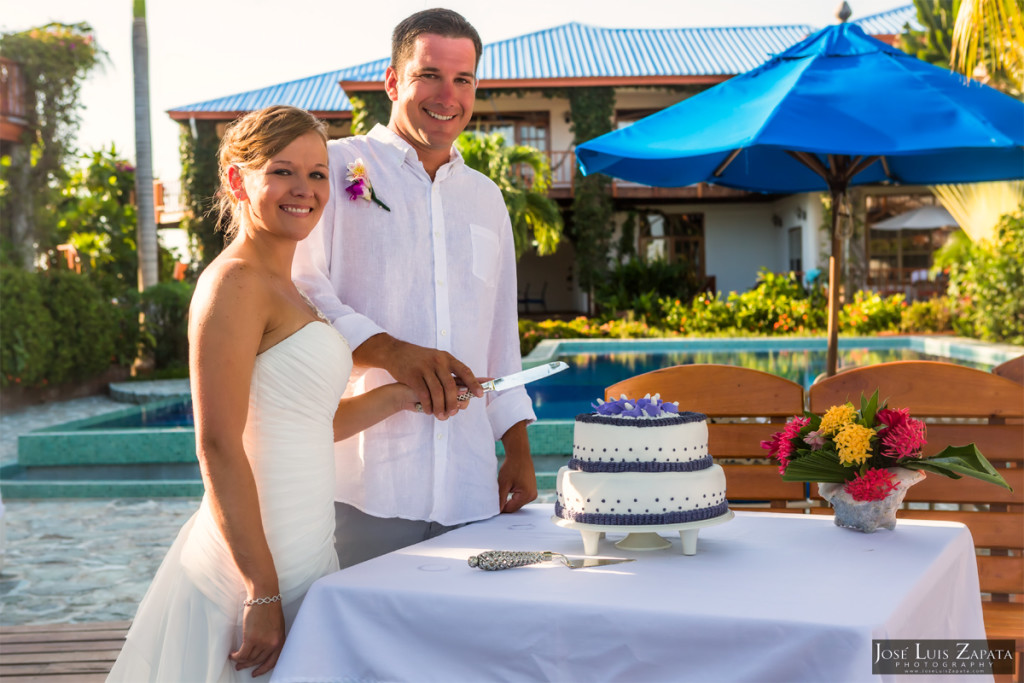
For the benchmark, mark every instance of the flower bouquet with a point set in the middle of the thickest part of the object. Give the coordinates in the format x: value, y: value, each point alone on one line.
x: 868, y: 455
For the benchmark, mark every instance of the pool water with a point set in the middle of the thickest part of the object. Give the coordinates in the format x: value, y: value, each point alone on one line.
x: 162, y: 416
x: 565, y: 395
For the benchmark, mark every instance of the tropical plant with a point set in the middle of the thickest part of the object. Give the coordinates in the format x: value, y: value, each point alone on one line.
x: 935, y: 42
x: 638, y: 286
x: 197, y: 146
x: 535, y: 218
x: 369, y: 109
x: 96, y: 216
x: 55, y: 59
x: 962, y: 34
x: 591, y: 110
x: 990, y: 34
x: 988, y: 285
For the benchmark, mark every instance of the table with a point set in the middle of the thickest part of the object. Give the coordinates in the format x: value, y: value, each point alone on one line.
x: 767, y: 597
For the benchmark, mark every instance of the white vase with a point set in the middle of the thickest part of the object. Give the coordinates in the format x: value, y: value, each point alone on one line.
x: 869, y: 515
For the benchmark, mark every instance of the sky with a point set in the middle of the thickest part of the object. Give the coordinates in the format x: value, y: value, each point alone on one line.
x: 203, y: 49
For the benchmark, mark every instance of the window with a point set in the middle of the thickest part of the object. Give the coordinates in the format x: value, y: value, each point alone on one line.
x: 796, y: 257
x: 674, y: 238
x: 529, y: 128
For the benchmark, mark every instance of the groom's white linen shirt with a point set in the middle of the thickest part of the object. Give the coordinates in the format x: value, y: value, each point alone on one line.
x: 438, y: 270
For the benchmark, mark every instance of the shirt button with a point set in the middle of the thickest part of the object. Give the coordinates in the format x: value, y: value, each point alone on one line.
x: 440, y: 436
x: 440, y: 283
x: 444, y: 333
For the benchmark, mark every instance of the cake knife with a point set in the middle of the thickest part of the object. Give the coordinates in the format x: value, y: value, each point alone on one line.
x: 516, y: 379
x: 493, y: 560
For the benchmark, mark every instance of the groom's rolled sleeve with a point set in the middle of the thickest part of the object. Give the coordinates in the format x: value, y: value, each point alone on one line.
x: 507, y: 409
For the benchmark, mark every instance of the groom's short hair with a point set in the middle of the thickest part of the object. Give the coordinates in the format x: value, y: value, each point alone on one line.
x: 438, y: 21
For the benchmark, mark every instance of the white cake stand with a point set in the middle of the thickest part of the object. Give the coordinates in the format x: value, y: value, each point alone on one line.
x: 642, y: 537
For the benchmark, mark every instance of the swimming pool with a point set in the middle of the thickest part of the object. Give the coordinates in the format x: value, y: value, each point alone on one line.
x: 598, y: 363
x: 149, y: 450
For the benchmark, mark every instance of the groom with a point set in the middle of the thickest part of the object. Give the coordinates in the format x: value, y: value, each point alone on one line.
x: 413, y: 263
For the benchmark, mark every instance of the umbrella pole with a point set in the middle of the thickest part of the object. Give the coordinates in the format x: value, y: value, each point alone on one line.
x: 832, y: 355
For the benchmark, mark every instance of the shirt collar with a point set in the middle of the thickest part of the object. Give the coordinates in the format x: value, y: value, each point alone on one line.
x: 402, y: 150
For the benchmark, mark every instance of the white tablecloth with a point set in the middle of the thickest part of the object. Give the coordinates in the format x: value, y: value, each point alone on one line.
x: 767, y: 597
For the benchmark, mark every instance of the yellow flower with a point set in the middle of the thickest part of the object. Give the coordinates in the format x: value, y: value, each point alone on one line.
x: 356, y: 171
x: 854, y: 442
x: 837, y: 417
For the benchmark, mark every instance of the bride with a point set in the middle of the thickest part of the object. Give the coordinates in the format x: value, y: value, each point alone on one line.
x: 267, y: 376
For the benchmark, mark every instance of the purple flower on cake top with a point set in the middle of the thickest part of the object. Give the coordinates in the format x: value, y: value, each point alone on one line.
x: 648, y: 406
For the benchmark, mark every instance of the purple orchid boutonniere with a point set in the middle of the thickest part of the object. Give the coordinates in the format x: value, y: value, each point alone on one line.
x: 361, y: 187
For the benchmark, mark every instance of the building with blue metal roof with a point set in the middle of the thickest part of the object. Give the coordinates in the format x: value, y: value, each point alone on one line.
x: 726, y: 235
x: 573, y: 54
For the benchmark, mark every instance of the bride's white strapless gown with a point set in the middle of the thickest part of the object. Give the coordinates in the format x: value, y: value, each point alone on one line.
x: 190, y: 619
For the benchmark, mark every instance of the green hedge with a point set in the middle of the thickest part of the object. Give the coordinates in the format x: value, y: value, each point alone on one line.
x: 165, y: 330
x: 27, y: 330
x: 57, y: 327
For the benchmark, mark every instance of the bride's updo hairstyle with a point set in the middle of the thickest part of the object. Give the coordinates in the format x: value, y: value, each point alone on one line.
x: 249, y: 143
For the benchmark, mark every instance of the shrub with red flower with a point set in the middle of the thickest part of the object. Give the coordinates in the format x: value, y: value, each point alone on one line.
x: 861, y: 448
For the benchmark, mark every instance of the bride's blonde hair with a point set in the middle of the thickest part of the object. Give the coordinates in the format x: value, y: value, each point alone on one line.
x: 249, y: 143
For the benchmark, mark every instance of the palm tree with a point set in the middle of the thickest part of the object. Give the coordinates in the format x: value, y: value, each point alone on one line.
x: 147, y: 243
x: 990, y: 34
x: 523, y: 175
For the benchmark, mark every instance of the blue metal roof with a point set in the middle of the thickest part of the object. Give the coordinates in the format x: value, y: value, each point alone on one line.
x: 570, y: 51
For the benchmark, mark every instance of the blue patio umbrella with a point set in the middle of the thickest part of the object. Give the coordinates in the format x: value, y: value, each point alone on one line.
x: 837, y: 109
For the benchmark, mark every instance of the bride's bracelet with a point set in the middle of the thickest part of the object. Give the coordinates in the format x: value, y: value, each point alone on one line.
x: 262, y: 601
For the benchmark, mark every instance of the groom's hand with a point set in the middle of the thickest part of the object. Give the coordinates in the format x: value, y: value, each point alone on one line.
x: 436, y: 376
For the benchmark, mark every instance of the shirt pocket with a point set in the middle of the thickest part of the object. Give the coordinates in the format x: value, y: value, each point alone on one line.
x: 485, y: 253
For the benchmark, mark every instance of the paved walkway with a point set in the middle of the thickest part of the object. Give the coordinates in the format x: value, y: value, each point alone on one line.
x: 69, y: 561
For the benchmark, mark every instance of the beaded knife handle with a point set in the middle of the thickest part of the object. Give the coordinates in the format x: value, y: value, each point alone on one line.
x: 493, y: 560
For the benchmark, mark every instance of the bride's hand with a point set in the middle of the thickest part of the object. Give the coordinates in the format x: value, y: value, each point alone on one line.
x: 262, y: 638
x: 409, y: 401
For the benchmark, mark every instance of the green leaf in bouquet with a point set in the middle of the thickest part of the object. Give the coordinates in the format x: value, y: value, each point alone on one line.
x: 869, y: 409
x: 955, y: 461
x: 816, y: 466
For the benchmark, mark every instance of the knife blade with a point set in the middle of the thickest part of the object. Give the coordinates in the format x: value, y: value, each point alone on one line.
x: 515, y: 379
x: 494, y: 560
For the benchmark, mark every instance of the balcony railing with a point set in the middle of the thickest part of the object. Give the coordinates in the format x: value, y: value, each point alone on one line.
x: 563, y: 176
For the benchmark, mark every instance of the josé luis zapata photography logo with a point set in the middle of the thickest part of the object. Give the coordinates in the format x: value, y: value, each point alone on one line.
x: 933, y: 657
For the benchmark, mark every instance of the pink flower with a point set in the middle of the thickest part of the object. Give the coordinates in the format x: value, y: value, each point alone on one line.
x: 358, y: 190
x: 780, y: 446
x: 903, y: 436
x: 815, y: 440
x: 875, y: 484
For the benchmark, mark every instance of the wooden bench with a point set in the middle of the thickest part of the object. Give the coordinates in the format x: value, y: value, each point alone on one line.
x: 744, y: 407
x: 960, y: 405
x: 60, y: 653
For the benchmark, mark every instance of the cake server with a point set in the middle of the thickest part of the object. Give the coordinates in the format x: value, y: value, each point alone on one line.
x: 493, y: 560
x: 516, y: 379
